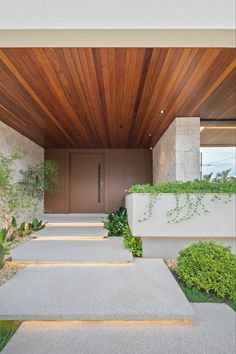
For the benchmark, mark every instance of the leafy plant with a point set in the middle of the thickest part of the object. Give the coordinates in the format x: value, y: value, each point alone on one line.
x: 39, y: 179
x: 36, y: 225
x: 4, y: 244
x: 25, y: 229
x: 12, y: 200
x: 115, y: 222
x: 222, y: 176
x: 117, y: 225
x: 208, y: 266
x: 189, y: 196
x: 133, y: 244
x: 23, y: 190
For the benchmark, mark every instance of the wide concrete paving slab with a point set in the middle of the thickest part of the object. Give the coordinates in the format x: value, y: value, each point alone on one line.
x: 73, y: 219
x: 212, y: 333
x: 55, y: 251
x: 68, y: 232
x: 143, y: 290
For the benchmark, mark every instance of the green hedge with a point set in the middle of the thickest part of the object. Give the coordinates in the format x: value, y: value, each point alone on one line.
x: 208, y: 266
x: 227, y: 187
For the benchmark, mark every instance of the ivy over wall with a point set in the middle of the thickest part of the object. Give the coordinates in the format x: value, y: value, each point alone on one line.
x: 189, y: 196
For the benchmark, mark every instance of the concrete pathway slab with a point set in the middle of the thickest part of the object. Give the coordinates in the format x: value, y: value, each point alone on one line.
x: 143, y: 290
x: 79, y: 231
x: 73, y: 219
x: 212, y: 333
x: 55, y: 251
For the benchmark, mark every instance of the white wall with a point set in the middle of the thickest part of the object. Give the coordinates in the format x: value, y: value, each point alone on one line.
x: 176, y: 156
x: 107, y: 14
x: 11, y: 140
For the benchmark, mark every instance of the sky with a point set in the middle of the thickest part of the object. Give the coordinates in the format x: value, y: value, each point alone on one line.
x: 217, y: 159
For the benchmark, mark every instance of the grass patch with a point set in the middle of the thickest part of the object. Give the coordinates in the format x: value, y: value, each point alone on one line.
x: 7, y: 329
x: 195, y: 295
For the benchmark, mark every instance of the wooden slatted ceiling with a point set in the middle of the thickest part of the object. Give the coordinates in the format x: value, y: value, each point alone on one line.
x: 112, y: 97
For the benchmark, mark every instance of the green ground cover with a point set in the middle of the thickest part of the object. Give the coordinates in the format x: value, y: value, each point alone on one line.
x: 7, y: 329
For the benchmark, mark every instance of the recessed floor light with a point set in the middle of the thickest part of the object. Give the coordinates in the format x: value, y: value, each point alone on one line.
x: 162, y: 111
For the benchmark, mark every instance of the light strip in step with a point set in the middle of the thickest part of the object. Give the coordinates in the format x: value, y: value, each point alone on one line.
x: 71, y: 224
x: 105, y: 323
x: 70, y: 238
x: 77, y: 264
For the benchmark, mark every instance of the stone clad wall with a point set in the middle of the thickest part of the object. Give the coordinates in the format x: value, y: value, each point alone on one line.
x: 11, y: 140
x: 164, y: 156
x: 176, y: 156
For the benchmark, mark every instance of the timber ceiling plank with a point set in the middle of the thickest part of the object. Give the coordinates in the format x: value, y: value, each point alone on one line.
x: 27, y: 88
x: 112, y: 97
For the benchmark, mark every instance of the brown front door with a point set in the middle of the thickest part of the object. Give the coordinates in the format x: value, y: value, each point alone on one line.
x: 87, y: 183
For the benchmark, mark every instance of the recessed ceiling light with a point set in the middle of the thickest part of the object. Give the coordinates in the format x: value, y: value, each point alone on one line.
x: 162, y: 111
x: 150, y: 148
x: 150, y: 134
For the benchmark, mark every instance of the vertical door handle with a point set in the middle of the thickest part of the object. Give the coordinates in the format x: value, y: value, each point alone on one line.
x: 99, y: 183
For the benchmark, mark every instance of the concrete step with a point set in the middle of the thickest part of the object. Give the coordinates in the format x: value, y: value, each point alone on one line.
x: 71, y: 220
x: 63, y: 232
x: 72, y: 251
x: 212, y: 333
x: 142, y: 290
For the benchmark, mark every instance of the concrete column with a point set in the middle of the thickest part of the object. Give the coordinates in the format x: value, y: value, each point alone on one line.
x: 176, y: 156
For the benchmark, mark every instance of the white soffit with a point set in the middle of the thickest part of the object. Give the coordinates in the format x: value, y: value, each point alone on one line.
x: 117, y: 14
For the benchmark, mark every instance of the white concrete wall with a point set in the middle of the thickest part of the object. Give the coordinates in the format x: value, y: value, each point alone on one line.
x: 218, y: 222
x: 11, y: 140
x: 176, y: 156
x: 163, y: 239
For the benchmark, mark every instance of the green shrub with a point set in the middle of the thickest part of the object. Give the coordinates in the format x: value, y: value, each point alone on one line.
x: 133, y: 244
x: 203, y: 186
x: 4, y: 244
x: 208, y: 266
x: 115, y: 222
x: 25, y: 192
x: 117, y: 225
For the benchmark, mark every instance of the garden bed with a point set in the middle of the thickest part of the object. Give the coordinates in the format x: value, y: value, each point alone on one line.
x: 196, y: 295
x: 9, y: 270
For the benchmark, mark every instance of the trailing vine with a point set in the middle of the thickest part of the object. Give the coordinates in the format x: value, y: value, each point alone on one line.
x: 189, y: 197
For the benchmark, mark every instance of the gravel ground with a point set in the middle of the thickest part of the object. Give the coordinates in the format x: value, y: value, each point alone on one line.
x: 171, y: 264
x: 9, y: 270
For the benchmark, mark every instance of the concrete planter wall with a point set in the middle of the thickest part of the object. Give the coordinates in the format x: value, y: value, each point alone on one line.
x: 163, y: 239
